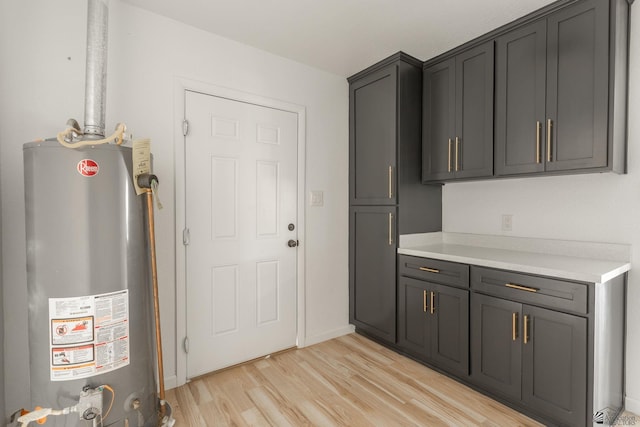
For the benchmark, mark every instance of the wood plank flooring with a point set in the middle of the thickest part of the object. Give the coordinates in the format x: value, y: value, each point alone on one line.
x: 347, y: 381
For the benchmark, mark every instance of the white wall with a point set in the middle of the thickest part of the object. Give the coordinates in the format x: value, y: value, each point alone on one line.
x: 42, y: 84
x: 595, y: 207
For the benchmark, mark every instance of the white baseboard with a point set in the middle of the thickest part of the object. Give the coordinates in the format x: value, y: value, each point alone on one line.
x: 632, y: 405
x: 329, y: 335
x: 170, y: 382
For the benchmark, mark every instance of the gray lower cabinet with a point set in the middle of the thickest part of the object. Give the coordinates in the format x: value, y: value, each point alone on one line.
x: 496, y: 361
x: 533, y: 355
x: 372, y: 260
x: 434, y: 323
x: 433, y: 312
x: 552, y: 348
x: 554, y: 359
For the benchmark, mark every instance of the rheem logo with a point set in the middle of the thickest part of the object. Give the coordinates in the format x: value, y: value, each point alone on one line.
x: 87, y: 167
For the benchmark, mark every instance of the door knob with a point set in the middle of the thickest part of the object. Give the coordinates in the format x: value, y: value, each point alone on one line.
x: 292, y: 243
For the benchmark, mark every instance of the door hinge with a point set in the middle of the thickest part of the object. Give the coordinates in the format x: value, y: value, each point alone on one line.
x: 186, y: 237
x: 185, y: 345
x: 185, y: 127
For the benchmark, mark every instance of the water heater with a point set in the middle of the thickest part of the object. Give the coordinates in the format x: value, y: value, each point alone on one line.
x: 91, y: 330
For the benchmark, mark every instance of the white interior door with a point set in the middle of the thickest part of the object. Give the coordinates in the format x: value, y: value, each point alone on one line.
x: 241, y: 202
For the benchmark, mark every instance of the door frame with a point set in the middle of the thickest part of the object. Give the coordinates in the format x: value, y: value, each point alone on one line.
x: 181, y: 85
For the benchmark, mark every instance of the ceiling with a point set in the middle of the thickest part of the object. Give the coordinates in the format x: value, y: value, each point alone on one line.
x: 345, y: 36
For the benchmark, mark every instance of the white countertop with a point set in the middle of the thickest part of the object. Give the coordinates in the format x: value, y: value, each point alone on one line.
x: 580, y: 261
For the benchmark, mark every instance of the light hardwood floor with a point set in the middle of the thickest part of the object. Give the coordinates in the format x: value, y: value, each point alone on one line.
x: 347, y: 381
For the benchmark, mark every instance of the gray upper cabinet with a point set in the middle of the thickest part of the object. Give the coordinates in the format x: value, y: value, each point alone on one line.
x: 561, y: 91
x: 521, y: 74
x: 458, y: 116
x: 577, y: 87
x: 439, y: 120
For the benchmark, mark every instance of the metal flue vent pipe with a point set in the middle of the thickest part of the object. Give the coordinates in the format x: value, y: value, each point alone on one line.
x: 96, y: 71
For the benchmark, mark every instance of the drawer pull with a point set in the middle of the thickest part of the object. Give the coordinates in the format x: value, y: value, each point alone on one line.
x: 526, y: 329
x: 514, y: 326
x: 430, y: 270
x: 520, y: 287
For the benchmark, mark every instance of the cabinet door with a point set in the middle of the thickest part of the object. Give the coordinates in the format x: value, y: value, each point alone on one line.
x: 449, y: 311
x: 438, y: 121
x: 577, y: 86
x: 496, y: 361
x: 473, y: 142
x: 372, y: 287
x: 413, y: 325
x: 520, y: 100
x: 555, y: 364
x: 372, y: 137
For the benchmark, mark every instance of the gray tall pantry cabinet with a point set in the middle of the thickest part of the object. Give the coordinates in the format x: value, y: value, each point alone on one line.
x: 386, y: 196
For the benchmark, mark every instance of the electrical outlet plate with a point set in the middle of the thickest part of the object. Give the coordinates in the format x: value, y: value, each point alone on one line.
x: 507, y: 222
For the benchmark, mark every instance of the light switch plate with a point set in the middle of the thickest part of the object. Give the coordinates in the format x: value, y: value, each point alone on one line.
x: 317, y: 198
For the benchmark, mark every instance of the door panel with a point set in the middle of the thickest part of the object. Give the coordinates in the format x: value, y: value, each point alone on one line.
x: 474, y: 112
x: 373, y: 132
x: 450, y: 326
x: 241, y: 175
x: 555, y: 364
x: 373, y: 272
x: 413, y: 326
x: 439, y: 121
x: 496, y: 356
x: 577, y: 85
x: 520, y: 103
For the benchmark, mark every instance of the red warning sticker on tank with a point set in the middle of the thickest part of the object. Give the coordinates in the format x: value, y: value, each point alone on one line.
x: 88, y: 167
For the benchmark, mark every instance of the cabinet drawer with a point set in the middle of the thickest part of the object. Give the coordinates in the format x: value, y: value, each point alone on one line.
x: 433, y: 270
x: 553, y: 293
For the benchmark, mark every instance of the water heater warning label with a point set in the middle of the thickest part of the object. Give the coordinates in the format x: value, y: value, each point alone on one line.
x: 89, y: 335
